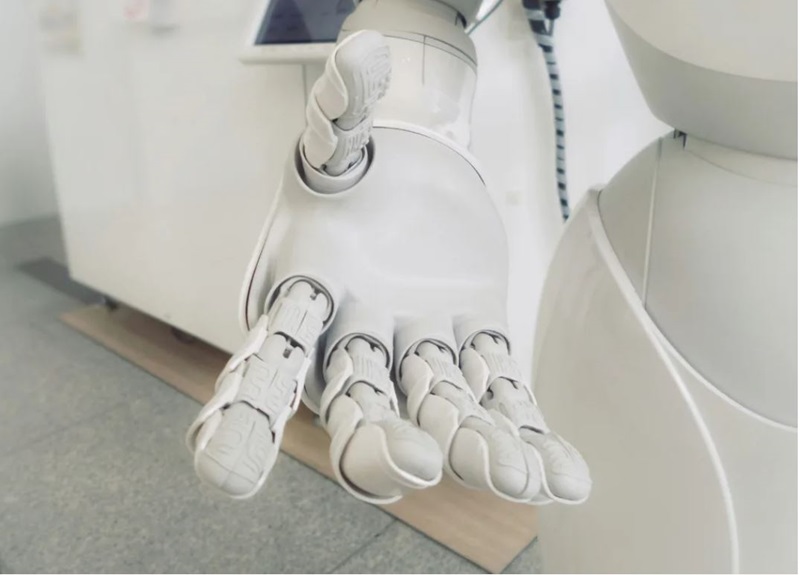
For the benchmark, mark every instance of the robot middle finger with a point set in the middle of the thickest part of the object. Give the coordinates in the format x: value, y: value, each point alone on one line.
x: 376, y: 455
x: 480, y: 449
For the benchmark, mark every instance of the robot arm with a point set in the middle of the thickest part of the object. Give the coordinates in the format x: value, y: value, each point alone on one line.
x: 385, y: 250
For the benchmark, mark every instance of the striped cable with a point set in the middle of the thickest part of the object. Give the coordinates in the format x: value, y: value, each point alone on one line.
x: 538, y: 23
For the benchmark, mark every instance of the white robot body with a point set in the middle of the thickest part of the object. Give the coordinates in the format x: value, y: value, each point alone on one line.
x: 724, y: 71
x: 667, y: 336
x: 686, y: 478
x: 708, y: 243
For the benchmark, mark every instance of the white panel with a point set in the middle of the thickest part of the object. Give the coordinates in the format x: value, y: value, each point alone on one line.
x: 722, y: 284
x: 404, y: 105
x: 737, y: 37
x: 445, y: 75
x: 741, y: 110
x: 760, y: 462
x: 658, y: 502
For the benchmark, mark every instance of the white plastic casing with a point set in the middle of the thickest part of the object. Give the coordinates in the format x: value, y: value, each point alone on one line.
x: 666, y: 350
x: 706, y: 236
x: 721, y: 70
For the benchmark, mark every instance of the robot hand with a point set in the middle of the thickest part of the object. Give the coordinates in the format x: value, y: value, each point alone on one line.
x: 385, y: 251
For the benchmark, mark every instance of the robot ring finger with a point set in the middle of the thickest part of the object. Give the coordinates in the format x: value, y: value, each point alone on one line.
x: 377, y: 292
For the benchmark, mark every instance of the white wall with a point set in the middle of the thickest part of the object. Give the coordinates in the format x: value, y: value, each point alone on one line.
x: 26, y: 179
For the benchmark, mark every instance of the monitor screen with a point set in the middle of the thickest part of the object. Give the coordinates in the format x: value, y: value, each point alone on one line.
x: 303, y: 21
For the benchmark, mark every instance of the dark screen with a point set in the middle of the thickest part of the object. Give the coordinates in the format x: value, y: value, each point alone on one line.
x: 303, y: 21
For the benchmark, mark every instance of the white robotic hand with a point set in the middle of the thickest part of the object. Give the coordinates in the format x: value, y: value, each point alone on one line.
x: 384, y: 249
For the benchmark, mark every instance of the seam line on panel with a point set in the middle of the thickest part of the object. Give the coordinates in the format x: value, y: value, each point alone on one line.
x: 650, y: 219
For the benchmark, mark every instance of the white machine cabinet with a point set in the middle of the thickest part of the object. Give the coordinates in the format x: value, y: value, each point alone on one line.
x: 167, y: 151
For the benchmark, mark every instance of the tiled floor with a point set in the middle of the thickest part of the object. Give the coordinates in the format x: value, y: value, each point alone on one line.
x: 95, y: 477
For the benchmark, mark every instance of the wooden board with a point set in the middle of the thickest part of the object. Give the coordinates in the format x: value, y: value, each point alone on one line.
x: 477, y: 525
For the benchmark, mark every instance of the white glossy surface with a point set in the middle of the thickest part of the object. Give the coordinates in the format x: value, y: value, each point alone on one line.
x: 738, y: 37
x: 722, y: 71
x: 759, y: 458
x: 441, y: 102
x: 712, y: 252
x: 659, y: 502
x: 722, y: 279
x: 685, y: 479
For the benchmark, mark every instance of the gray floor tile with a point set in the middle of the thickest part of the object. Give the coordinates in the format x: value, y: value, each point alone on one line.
x: 118, y: 493
x: 51, y: 377
x: 401, y: 549
x: 529, y: 561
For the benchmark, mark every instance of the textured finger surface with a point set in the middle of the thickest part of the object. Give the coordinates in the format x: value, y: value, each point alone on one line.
x: 387, y: 459
x: 363, y: 63
x: 495, y: 378
x: 339, y: 114
x: 409, y: 448
x: 479, y: 451
x: 240, y: 450
x: 566, y: 472
x: 377, y: 455
x: 481, y: 454
x: 237, y: 435
x: 241, y: 447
